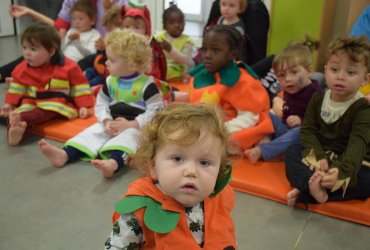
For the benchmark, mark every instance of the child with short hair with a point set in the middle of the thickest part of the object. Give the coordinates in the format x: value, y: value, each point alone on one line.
x: 334, y: 154
x: 45, y: 86
x: 234, y: 87
x: 179, y: 49
x: 185, y: 197
x: 79, y: 41
x: 123, y: 106
x: 293, y: 67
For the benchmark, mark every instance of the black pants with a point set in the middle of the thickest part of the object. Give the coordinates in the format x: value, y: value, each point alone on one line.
x: 299, y: 174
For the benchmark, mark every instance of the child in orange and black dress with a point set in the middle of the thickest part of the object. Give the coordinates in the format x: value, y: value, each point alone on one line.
x: 332, y: 162
x: 220, y: 80
x: 45, y: 86
x: 79, y: 41
x: 184, y: 201
x: 293, y: 66
x: 179, y: 49
x: 124, y: 105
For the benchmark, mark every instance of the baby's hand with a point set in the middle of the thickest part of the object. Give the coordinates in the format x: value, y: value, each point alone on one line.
x: 166, y: 46
x: 74, y: 36
x: 120, y: 124
x: 99, y: 44
x: 293, y: 121
x: 331, y: 177
x: 6, y: 109
x: 83, y: 113
x: 107, y: 126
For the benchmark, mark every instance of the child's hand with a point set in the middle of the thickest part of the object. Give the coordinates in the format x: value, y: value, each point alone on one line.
x: 18, y: 11
x: 99, y: 44
x: 121, y: 124
x: 83, y: 113
x: 331, y: 177
x: 166, y: 46
x: 367, y: 97
x: 6, y: 109
x: 277, y: 105
x: 293, y: 121
x: 74, y: 36
x: 107, y: 126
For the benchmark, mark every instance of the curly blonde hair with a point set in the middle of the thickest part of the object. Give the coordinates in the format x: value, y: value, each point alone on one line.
x: 189, y: 122
x: 132, y: 47
x: 357, y: 49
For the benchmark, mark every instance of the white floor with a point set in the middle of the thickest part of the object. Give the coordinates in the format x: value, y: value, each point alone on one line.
x: 45, y: 208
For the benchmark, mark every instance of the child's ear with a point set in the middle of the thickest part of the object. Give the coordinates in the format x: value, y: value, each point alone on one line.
x: 234, y: 54
x: 153, y: 174
x: 309, y: 70
x: 52, y: 52
x: 367, y: 79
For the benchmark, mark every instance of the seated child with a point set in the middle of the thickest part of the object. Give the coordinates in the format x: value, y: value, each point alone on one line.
x: 184, y: 200
x: 138, y: 20
x: 96, y: 74
x: 332, y: 162
x: 293, y: 66
x: 45, y: 86
x: 79, y: 41
x: 123, y: 106
x: 179, y: 49
x: 234, y: 87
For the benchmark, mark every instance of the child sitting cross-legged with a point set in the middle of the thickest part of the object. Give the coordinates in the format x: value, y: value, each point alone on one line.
x: 332, y: 162
x: 124, y: 105
x: 184, y: 201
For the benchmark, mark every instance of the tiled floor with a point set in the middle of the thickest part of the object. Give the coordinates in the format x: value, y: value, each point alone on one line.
x: 45, y: 208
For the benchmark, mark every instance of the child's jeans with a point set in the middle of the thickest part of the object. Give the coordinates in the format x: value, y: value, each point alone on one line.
x: 283, y: 137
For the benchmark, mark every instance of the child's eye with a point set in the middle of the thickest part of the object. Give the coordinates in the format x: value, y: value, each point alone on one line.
x: 215, y: 50
x: 351, y: 72
x: 204, y: 163
x: 333, y: 69
x: 177, y: 158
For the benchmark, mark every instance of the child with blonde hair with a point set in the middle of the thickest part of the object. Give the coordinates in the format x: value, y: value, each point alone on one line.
x: 45, y: 85
x: 293, y: 67
x: 332, y: 162
x: 124, y: 105
x: 184, y: 200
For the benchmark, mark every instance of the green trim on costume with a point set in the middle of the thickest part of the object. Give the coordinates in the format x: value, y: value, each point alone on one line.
x: 229, y: 75
x: 155, y: 218
x: 105, y: 151
x: 89, y: 154
x: 136, y: 4
x: 222, y: 182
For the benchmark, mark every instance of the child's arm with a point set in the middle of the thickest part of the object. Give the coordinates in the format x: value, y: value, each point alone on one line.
x: 126, y: 234
x: 86, y: 47
x: 18, y: 11
x: 102, y: 111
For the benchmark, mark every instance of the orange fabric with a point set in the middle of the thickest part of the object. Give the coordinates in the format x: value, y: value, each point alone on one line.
x: 247, y: 94
x: 268, y: 180
x: 219, y: 227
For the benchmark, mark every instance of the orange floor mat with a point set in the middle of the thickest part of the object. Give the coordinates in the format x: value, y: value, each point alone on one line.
x: 267, y: 180
x: 61, y: 130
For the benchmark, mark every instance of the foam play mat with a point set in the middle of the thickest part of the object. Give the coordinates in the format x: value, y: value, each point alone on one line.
x: 267, y: 180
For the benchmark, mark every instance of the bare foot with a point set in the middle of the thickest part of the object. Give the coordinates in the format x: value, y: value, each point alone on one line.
x: 292, y: 197
x: 316, y: 190
x: 106, y: 166
x: 16, y: 129
x: 57, y: 156
x: 253, y: 154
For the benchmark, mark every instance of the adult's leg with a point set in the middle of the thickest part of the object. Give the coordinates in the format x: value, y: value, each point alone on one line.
x: 6, y: 70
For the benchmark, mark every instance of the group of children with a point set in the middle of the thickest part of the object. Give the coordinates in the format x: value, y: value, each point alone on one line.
x: 183, y: 149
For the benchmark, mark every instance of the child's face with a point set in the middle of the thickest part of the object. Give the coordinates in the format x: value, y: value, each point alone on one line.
x: 216, y: 52
x: 294, y: 78
x: 136, y: 25
x: 36, y: 55
x: 229, y: 8
x: 188, y: 173
x: 174, y: 24
x: 344, y: 76
x: 116, y: 65
x: 81, y: 21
